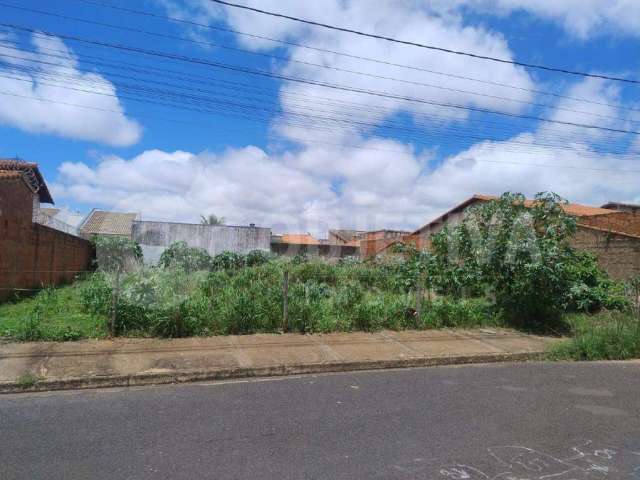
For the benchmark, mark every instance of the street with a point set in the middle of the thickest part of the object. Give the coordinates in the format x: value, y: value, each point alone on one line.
x: 509, y: 421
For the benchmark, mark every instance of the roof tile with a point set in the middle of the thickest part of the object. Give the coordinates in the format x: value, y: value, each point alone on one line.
x: 100, y: 222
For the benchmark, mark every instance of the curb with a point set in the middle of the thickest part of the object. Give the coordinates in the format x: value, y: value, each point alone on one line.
x: 186, y: 376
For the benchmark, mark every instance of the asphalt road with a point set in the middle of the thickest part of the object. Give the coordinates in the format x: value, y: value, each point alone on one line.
x: 525, y: 421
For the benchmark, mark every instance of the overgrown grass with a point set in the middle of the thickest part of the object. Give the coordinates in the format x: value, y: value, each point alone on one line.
x: 352, y: 296
x: 53, y: 314
x: 603, y: 336
x: 247, y: 297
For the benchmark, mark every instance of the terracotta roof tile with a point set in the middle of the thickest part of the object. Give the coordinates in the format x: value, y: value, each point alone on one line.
x: 100, y: 222
x: 300, y: 238
x: 31, y: 175
x: 8, y: 174
x: 574, y: 209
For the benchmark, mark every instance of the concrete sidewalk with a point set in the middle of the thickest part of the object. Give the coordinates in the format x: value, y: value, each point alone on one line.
x: 126, y: 361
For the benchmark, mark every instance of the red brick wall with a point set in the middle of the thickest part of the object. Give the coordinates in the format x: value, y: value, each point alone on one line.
x: 625, y: 222
x: 32, y: 255
x: 618, y: 255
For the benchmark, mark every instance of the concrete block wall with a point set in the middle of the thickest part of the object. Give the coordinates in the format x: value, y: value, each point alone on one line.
x: 32, y: 255
x: 618, y: 255
x: 155, y: 237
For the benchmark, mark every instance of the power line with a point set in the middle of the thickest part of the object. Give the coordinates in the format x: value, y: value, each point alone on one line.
x: 348, y: 55
x: 381, y: 94
x: 317, y: 65
x: 234, y: 86
x: 197, y: 97
x: 341, y: 145
x: 429, y: 47
x: 308, y: 122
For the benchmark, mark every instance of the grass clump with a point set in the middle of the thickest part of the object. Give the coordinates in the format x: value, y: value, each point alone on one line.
x: 27, y: 380
x: 54, y: 314
x: 608, y: 335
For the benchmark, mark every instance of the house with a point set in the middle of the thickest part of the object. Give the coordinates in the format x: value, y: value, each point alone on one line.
x: 345, y: 237
x: 61, y: 219
x: 102, y: 222
x: 373, y: 242
x: 292, y: 244
x: 622, y: 207
x: 612, y: 234
x: 299, y: 238
x: 32, y: 254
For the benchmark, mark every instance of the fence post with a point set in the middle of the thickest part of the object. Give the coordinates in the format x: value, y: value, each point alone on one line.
x: 285, y: 302
x: 419, y: 299
x: 114, y: 304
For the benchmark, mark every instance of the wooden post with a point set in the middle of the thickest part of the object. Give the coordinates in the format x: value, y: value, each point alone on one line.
x: 419, y: 299
x: 285, y: 302
x: 114, y: 304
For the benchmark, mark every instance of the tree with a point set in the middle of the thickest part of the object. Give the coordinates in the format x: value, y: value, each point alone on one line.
x: 211, y: 219
x: 517, y: 252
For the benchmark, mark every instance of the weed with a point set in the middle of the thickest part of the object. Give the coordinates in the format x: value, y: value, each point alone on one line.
x: 32, y: 327
x: 27, y: 380
x: 606, y: 336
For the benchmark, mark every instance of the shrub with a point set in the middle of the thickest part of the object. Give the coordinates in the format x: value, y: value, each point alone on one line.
x: 257, y: 257
x: 190, y: 259
x: 228, y: 261
x: 591, y: 288
x: 116, y: 253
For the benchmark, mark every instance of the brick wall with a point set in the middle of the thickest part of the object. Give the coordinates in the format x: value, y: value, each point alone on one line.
x: 625, y: 222
x: 618, y: 255
x: 32, y: 255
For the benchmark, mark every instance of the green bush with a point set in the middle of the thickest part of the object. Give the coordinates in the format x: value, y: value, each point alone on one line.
x: 591, y: 288
x: 181, y: 256
x: 257, y: 257
x: 228, y: 261
x: 116, y: 253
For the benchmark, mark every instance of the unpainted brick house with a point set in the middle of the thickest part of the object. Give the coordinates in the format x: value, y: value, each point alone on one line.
x: 610, y: 232
x: 31, y: 254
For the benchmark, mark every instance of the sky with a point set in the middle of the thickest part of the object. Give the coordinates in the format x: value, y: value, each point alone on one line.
x: 182, y: 108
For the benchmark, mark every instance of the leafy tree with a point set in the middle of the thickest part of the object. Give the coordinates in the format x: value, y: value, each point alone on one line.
x: 517, y: 252
x: 211, y: 219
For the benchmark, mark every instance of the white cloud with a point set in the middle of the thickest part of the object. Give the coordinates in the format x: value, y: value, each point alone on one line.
x: 318, y: 189
x: 30, y: 79
x: 581, y: 18
x: 384, y: 183
x: 406, y: 20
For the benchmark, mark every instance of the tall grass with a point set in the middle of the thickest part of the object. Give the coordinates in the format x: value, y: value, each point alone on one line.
x: 604, y: 336
x: 249, y: 299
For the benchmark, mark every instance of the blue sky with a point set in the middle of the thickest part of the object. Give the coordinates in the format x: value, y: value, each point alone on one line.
x: 300, y: 157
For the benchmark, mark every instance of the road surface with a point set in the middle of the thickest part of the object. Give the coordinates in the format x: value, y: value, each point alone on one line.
x: 524, y: 421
